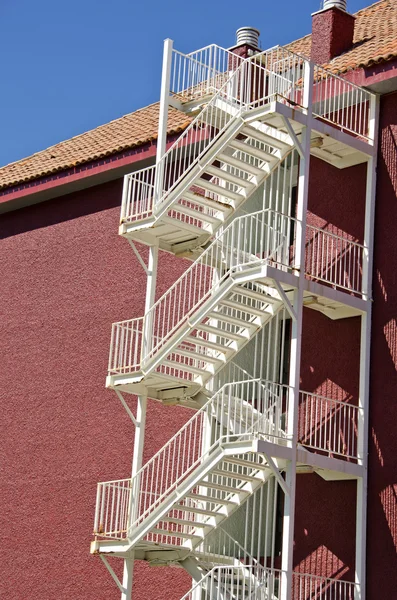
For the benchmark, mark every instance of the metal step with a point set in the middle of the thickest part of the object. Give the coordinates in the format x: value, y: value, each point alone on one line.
x: 232, y: 320
x: 235, y: 475
x: 198, y: 356
x: 219, y: 332
x: 226, y: 176
x: 208, y: 344
x: 221, y: 191
x: 206, y: 499
x: 222, y: 488
x: 245, y: 463
x: 182, y: 367
x: 177, y: 534
x: 243, y: 308
x: 208, y: 202
x: 265, y: 138
x: 256, y: 295
x: 185, y: 522
x: 195, y: 214
x: 256, y: 152
x: 241, y: 164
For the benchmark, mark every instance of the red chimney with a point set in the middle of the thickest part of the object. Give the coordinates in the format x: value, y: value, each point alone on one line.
x: 332, y: 32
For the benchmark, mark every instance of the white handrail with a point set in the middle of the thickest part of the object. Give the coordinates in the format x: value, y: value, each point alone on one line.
x: 246, y: 410
x: 249, y: 240
x: 328, y: 425
x: 334, y: 259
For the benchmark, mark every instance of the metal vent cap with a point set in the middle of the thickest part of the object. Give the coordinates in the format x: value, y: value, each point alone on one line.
x: 342, y: 4
x: 249, y: 36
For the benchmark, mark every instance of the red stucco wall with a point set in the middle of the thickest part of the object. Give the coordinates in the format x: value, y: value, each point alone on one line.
x: 66, y: 275
x: 382, y: 482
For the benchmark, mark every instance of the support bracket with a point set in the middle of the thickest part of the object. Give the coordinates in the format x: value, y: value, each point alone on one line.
x: 127, y: 408
x: 294, y: 137
x: 113, y: 574
x: 277, y: 475
x: 286, y: 301
x: 139, y: 257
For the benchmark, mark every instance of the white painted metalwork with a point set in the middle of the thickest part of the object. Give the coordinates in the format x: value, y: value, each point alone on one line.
x: 329, y: 425
x: 259, y: 583
x: 202, y: 72
x: 228, y: 464
x: 234, y: 415
x: 334, y: 259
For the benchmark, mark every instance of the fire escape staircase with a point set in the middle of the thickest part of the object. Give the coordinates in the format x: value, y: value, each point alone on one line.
x: 181, y: 497
x: 190, y: 204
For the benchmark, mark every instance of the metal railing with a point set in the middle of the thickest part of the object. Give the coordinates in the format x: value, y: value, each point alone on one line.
x: 219, y: 547
x: 328, y: 425
x: 235, y: 582
x: 314, y: 587
x: 255, y: 582
x: 341, y: 102
x: 248, y: 241
x: 334, y: 259
x: 241, y: 86
x: 201, y: 72
x: 239, y: 411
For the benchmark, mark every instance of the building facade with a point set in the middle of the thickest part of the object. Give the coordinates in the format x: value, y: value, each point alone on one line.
x: 253, y: 345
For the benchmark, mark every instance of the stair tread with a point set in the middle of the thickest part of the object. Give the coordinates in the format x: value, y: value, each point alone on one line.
x: 219, y: 332
x: 242, y: 307
x: 177, y: 534
x: 203, y: 498
x: 198, y: 356
x: 209, y: 344
x: 244, y: 463
x: 226, y: 176
x: 184, y: 522
x: 234, y: 475
x: 195, y: 214
x: 232, y: 320
x: 266, y: 138
x: 221, y: 191
x: 233, y: 161
x: 248, y: 149
x: 256, y: 295
x: 205, y: 201
x: 182, y: 367
x: 223, y: 488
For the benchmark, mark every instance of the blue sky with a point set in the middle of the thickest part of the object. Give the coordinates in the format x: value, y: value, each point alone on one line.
x: 67, y: 67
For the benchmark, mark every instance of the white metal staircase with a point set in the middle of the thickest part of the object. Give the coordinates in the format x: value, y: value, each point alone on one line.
x: 203, y: 321
x: 191, y: 486
x: 246, y: 118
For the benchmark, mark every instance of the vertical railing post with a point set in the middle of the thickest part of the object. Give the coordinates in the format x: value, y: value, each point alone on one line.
x: 365, y: 342
x: 296, y: 340
x: 148, y: 324
x: 163, y: 118
x: 133, y: 508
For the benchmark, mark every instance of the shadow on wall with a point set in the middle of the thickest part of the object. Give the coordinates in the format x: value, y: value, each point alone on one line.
x: 382, y: 478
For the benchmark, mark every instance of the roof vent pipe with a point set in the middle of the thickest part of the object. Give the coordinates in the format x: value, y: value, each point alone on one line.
x: 342, y: 4
x: 248, y: 36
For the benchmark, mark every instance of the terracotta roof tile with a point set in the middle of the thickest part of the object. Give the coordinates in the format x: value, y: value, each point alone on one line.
x: 121, y: 134
x: 375, y: 40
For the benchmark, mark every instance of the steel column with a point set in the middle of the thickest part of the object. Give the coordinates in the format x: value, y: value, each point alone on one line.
x: 163, y: 117
x: 296, y: 339
x: 365, y: 343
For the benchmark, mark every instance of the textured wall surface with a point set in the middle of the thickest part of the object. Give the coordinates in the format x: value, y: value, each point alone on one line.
x: 382, y: 481
x: 66, y: 275
x: 332, y: 34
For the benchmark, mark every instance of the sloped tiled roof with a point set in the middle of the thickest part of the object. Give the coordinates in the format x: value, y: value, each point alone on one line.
x: 121, y: 134
x: 375, y: 40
